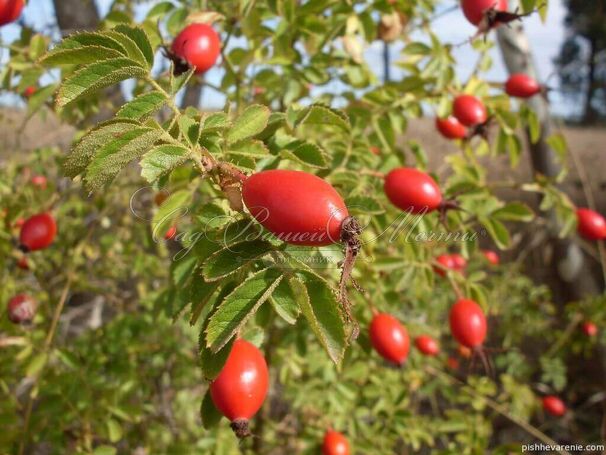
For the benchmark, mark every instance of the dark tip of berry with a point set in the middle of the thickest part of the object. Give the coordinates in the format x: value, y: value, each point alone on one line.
x: 241, y: 428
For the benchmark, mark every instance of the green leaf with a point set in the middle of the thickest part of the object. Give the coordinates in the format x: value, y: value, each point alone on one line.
x: 212, y: 363
x: 89, y: 39
x: 497, y: 231
x: 417, y: 48
x: 252, y: 122
x: 231, y: 258
x: 514, y: 211
x: 363, y: 205
x: 215, y: 122
x: 79, y: 55
x: 104, y: 450
x: 140, y: 38
x: 209, y: 413
x: 142, y: 106
x: 114, y: 156
x: 114, y: 430
x: 284, y: 300
x: 239, y: 306
x: 161, y: 160
x: 91, y: 142
x: 306, y: 153
x: 175, y: 206
x: 178, y: 82
x: 132, y: 49
x: 36, y: 365
x: 249, y: 148
x: 321, y: 309
x: 96, y: 76
x: 318, y: 114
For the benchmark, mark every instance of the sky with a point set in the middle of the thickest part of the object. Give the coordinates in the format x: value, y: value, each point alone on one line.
x: 545, y: 39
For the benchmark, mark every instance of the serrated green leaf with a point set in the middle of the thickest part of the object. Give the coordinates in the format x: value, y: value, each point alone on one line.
x: 321, y: 309
x: 239, y: 306
x: 209, y: 414
x: 231, y: 258
x: 161, y: 160
x: 140, y: 38
x: 132, y: 49
x: 318, y: 114
x: 251, y: 148
x: 215, y: 122
x: 178, y: 82
x: 114, y: 156
x: 252, y: 122
x: 142, y: 106
x: 284, y: 301
x: 79, y: 55
x: 96, y: 76
x: 363, y: 205
x: 306, y: 153
x: 212, y: 363
x: 497, y: 231
x: 88, y: 39
x: 91, y: 142
x: 175, y: 206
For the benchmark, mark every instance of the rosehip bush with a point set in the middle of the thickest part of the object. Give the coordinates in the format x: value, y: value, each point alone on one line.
x: 259, y: 271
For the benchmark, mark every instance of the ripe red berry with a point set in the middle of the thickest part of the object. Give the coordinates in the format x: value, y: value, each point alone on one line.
x: 374, y: 150
x: 19, y: 222
x: 335, y: 444
x: 522, y: 86
x: 491, y: 257
x: 459, y: 263
x: 469, y: 110
x: 427, y: 345
x: 389, y: 338
x: 240, y: 389
x: 297, y: 207
x: 475, y: 10
x: 21, y: 309
x: 29, y: 91
x: 10, y: 10
x: 464, y: 351
x: 199, y: 45
x: 554, y: 406
x: 452, y: 363
x: 412, y: 190
x: 172, y: 231
x: 38, y: 232
x: 468, y: 323
x: 22, y: 263
x: 590, y: 329
x: 451, y: 128
x: 590, y: 224
x: 39, y: 181
x: 446, y: 261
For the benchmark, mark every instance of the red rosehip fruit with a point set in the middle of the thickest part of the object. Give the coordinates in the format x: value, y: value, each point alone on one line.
x: 590, y: 224
x: 172, y: 231
x: 21, y: 309
x: 335, y: 443
x: 447, y: 263
x: 427, y: 345
x: 522, y: 86
x: 199, y: 45
x: 451, y: 128
x: 241, y: 387
x: 590, y: 329
x: 29, y: 91
x: 491, y: 257
x: 22, y: 263
x: 10, y: 10
x: 37, y: 232
x: 389, y: 338
x: 464, y: 351
x: 412, y: 190
x: 298, y: 207
x: 459, y: 263
x: 39, y: 181
x: 475, y: 10
x: 554, y: 406
x: 469, y: 110
x: 374, y: 150
x: 468, y: 323
x: 452, y: 363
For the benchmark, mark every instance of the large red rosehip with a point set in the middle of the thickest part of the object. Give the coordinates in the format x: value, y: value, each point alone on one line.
x: 297, y: 207
x: 491, y: 257
x: 199, y: 45
x: 522, y: 86
x: 468, y: 323
x: 38, y: 232
x: 21, y: 309
x: 451, y: 128
x: 412, y: 190
x: 590, y: 224
x: 554, y: 406
x: 469, y: 110
x: 590, y: 329
x: 241, y: 387
x: 335, y: 444
x: 10, y: 10
x: 427, y: 345
x: 474, y: 10
x: 389, y: 338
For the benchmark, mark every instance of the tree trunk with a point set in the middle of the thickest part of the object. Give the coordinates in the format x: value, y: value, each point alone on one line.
x: 73, y: 15
x: 589, y: 115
